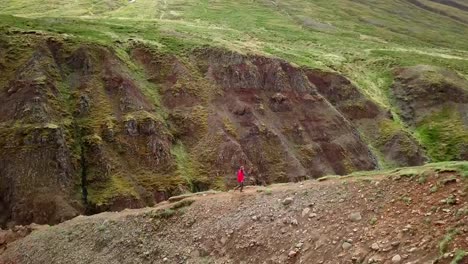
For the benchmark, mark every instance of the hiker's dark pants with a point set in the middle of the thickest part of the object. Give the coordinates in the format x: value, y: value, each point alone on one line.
x: 241, y: 186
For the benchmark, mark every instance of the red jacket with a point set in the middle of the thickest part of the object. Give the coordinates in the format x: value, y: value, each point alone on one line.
x: 240, y: 175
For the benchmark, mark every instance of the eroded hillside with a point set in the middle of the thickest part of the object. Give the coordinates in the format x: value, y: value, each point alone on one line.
x: 106, y: 105
x: 87, y: 127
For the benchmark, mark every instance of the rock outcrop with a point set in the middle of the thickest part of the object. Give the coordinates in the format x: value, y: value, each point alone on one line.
x: 434, y: 101
x: 397, y: 145
x: 86, y: 129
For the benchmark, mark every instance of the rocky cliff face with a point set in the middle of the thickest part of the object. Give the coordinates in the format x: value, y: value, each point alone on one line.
x: 87, y: 128
x: 397, y: 146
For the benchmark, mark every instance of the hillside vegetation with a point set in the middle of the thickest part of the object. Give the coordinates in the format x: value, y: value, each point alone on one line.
x: 117, y: 104
x: 361, y: 39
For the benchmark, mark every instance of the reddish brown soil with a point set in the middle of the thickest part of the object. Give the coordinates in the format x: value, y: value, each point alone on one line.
x: 400, y: 215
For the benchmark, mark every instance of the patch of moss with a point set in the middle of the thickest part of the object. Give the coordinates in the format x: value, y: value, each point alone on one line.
x: 93, y: 140
x: 188, y: 168
x: 204, y: 155
x: 305, y: 153
x: 460, y: 254
x: 164, y: 214
x: 463, y: 168
x: 390, y: 129
x: 229, y: 127
x: 444, y: 135
x: 183, y: 203
x: 460, y: 167
x: 219, y: 183
x: 444, y: 244
x: 200, y: 116
x: 117, y: 186
x: 161, y: 181
x: 269, y: 150
x: 348, y: 164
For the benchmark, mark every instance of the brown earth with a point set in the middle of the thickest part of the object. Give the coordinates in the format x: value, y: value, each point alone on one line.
x: 414, y: 215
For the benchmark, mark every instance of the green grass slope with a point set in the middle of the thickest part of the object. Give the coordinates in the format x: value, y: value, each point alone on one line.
x: 359, y: 38
x: 363, y: 40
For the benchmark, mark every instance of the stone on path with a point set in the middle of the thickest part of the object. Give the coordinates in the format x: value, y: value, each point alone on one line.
x: 346, y: 245
x: 396, y: 259
x: 355, y: 217
x: 305, y: 211
x: 288, y: 200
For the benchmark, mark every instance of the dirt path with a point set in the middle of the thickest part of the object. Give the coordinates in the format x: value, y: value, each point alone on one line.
x: 433, y: 54
x: 407, y: 218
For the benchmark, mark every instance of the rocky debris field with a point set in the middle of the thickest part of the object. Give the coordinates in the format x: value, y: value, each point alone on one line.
x: 411, y: 215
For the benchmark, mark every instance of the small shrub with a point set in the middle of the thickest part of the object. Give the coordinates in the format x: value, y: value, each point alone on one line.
x: 451, y: 200
x: 163, y: 214
x: 408, y: 174
x: 167, y: 213
x: 268, y: 191
x: 101, y: 228
x: 443, y: 245
x: 461, y: 212
x: 427, y: 220
x: 459, y: 256
x: 422, y: 178
x: 373, y: 220
x: 407, y: 200
x: 182, y: 203
x: 463, y: 170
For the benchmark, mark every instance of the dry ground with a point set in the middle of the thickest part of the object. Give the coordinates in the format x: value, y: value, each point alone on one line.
x: 401, y: 217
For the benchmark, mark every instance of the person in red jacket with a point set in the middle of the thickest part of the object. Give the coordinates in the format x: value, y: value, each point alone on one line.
x: 240, y: 178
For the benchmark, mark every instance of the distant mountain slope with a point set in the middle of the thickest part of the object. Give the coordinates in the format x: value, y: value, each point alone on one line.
x: 452, y: 9
x: 434, y: 21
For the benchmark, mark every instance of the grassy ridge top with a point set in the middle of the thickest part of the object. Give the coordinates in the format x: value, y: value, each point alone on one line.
x: 361, y: 39
x: 405, y: 21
